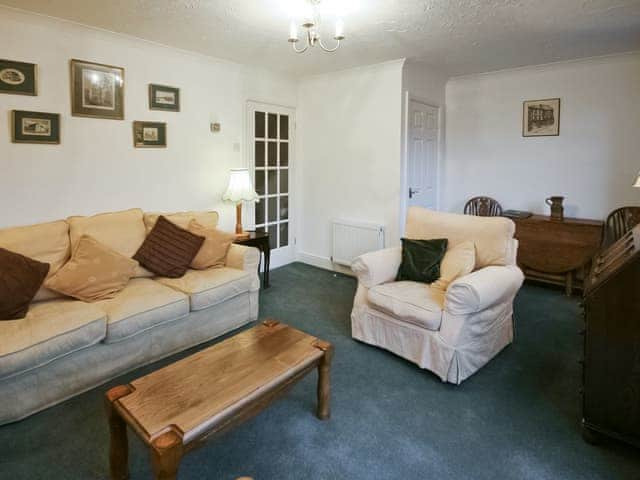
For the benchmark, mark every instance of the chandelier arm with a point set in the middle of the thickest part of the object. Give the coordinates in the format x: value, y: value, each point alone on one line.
x: 300, y: 50
x: 329, y: 50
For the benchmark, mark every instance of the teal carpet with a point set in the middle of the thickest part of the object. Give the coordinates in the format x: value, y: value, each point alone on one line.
x: 517, y: 418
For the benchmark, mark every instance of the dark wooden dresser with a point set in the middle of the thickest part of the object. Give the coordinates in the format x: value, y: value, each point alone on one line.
x: 611, y: 375
x: 555, y: 251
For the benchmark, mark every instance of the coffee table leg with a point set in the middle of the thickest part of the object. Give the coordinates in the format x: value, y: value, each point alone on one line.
x: 119, y: 448
x: 166, y: 452
x: 324, y: 380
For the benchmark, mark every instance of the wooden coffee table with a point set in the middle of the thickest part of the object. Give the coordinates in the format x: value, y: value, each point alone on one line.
x: 179, y: 407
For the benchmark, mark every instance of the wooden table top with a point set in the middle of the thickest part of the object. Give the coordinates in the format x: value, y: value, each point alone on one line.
x: 192, y: 395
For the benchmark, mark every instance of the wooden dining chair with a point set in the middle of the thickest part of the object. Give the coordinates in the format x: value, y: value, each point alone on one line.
x: 619, y: 222
x: 483, y: 207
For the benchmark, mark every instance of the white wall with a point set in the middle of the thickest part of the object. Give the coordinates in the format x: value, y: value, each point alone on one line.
x: 422, y: 83
x: 349, y: 149
x: 594, y: 160
x: 96, y: 167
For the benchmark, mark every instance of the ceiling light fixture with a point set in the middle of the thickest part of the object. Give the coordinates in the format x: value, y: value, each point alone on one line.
x: 311, y: 23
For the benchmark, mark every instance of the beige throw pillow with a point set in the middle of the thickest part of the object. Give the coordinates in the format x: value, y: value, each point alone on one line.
x: 459, y: 260
x: 94, y: 272
x: 213, y: 253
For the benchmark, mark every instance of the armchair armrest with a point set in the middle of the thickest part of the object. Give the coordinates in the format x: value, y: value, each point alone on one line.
x: 243, y: 258
x: 377, y: 267
x: 483, y: 289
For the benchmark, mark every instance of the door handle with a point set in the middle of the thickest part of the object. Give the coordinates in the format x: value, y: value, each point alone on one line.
x: 413, y: 191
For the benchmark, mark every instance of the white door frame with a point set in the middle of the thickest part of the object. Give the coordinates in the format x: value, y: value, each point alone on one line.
x: 404, y: 184
x: 280, y: 256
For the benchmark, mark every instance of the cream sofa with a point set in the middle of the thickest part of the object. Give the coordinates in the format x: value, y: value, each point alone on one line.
x: 64, y: 346
x: 454, y: 334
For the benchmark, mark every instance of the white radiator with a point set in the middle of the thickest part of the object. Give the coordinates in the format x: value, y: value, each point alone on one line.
x: 352, y: 239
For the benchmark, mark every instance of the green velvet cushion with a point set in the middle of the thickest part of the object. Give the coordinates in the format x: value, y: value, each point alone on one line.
x: 421, y: 260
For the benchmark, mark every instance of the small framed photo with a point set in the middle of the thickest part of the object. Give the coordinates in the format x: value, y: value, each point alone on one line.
x: 97, y: 90
x: 35, y: 127
x: 19, y: 78
x: 541, y: 118
x: 149, y: 134
x: 165, y: 98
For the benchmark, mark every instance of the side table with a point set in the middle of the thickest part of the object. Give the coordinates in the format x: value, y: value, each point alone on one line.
x: 260, y: 240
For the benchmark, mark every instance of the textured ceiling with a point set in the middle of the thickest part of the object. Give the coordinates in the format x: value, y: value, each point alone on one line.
x: 456, y: 36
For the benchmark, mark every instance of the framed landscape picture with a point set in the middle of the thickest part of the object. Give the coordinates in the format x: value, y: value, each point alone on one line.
x: 97, y: 90
x: 165, y: 98
x: 19, y: 78
x: 149, y: 134
x: 541, y: 118
x: 35, y: 127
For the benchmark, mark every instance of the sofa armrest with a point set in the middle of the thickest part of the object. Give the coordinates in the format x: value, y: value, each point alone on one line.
x: 243, y: 258
x: 377, y: 267
x: 482, y: 289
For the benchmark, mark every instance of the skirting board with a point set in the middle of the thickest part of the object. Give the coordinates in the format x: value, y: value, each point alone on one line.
x: 322, y: 262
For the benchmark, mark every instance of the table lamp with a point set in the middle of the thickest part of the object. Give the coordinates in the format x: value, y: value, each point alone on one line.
x: 240, y: 190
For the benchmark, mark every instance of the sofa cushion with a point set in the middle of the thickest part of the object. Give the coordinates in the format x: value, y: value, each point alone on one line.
x: 411, y: 302
x: 20, y: 279
x: 168, y: 249
x: 421, y: 260
x: 213, y: 253
x: 50, y: 330
x: 141, y: 305
x: 492, y: 236
x: 210, y: 287
x: 44, y: 242
x: 457, y: 262
x: 182, y: 219
x: 122, y: 231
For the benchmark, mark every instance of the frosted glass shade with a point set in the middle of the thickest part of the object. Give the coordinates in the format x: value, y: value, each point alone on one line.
x: 240, y: 188
x: 637, y: 184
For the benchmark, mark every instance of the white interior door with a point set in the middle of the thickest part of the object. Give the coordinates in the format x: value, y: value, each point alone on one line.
x: 270, y: 136
x: 422, y: 155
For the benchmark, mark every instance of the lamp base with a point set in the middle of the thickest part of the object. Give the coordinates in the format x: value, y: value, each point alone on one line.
x: 242, y: 236
x: 240, y: 233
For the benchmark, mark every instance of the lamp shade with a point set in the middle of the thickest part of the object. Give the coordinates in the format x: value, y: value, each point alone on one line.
x: 637, y: 184
x: 240, y: 188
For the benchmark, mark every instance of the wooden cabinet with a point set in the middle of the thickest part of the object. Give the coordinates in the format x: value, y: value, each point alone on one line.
x: 611, y: 375
x: 555, y: 251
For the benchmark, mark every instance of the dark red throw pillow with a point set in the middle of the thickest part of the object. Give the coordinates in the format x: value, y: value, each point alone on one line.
x: 168, y: 249
x: 20, y: 279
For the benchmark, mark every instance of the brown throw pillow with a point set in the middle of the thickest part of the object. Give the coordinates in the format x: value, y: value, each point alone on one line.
x: 94, y: 272
x: 168, y: 250
x: 213, y: 253
x: 20, y: 279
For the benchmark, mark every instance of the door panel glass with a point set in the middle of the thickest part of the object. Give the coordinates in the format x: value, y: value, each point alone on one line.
x: 284, y: 154
x: 284, y: 208
x: 259, y: 209
x: 284, y: 127
x: 273, y: 209
x: 259, y: 160
x: 284, y: 234
x: 259, y: 174
x: 273, y: 125
x: 273, y: 154
x: 272, y: 185
x: 273, y: 236
x: 284, y: 181
x: 259, y: 121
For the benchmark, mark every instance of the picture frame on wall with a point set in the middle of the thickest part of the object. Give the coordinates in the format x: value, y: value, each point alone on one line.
x: 541, y: 118
x: 149, y: 134
x: 18, y: 78
x: 162, y: 97
x: 97, y: 90
x: 35, y: 127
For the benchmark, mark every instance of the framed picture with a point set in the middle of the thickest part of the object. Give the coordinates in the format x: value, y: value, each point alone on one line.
x: 541, y: 118
x: 149, y: 134
x: 19, y: 78
x: 97, y: 90
x: 35, y: 127
x: 165, y: 98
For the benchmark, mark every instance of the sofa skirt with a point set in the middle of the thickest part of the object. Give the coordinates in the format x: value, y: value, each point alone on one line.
x: 25, y: 394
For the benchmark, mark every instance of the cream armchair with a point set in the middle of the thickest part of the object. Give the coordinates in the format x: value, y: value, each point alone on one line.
x: 452, y: 334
